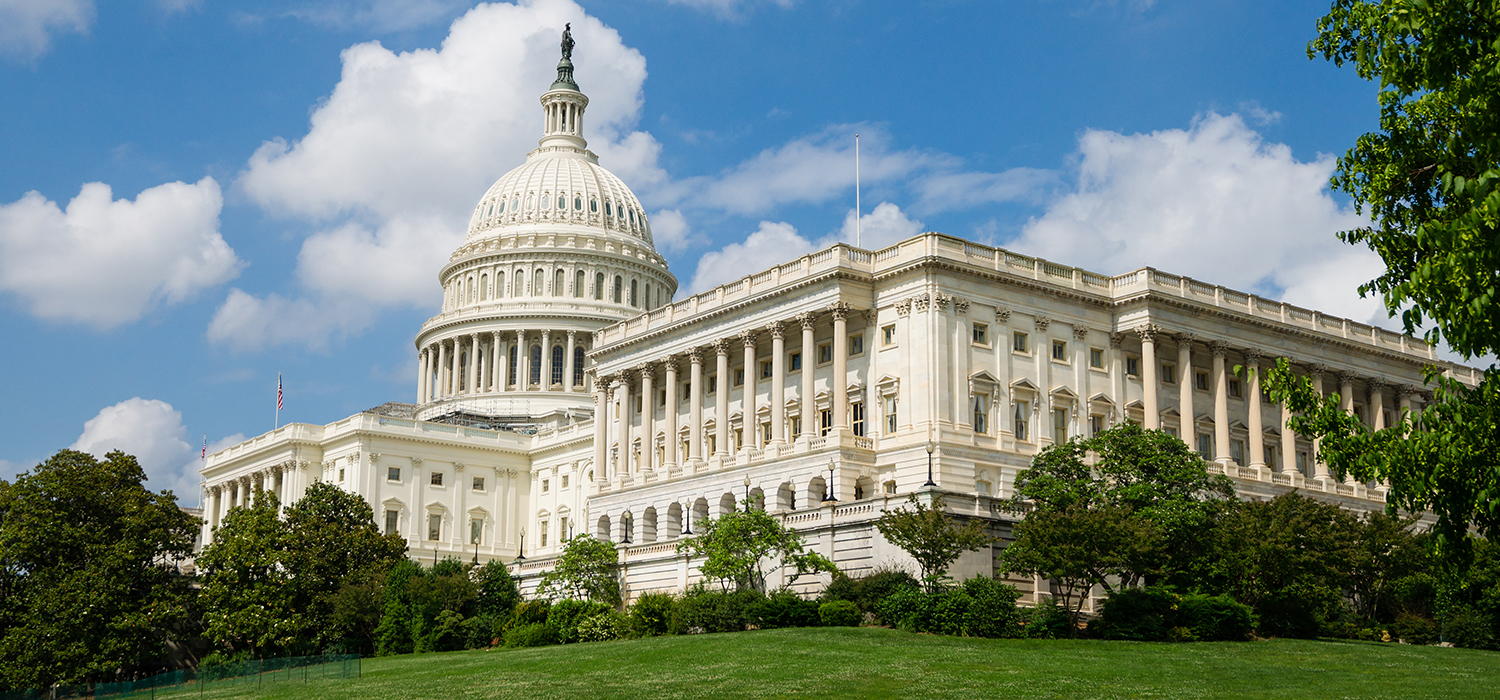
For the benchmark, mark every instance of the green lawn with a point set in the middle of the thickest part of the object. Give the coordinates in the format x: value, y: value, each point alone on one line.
x: 883, y: 663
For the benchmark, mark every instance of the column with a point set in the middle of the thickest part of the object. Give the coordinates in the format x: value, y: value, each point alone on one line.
x: 624, y: 398
x: 1257, y: 431
x: 502, y: 368
x: 523, y: 362
x: 721, y: 417
x: 1147, y: 334
x: 1221, y: 403
x: 747, y: 400
x: 809, y: 371
x: 1320, y: 468
x: 421, y: 376
x: 778, y: 383
x: 568, y: 367
x: 442, y: 370
x: 1403, y: 397
x: 455, y: 368
x: 1117, y: 378
x: 473, y: 370
x: 840, y: 367
x: 1188, y: 427
x: 674, y: 394
x: 497, y: 366
x: 601, y: 432
x: 695, y: 406
x: 1288, y: 442
x: 648, y: 418
x: 1377, y: 403
x: 546, y: 378
x: 1346, y: 396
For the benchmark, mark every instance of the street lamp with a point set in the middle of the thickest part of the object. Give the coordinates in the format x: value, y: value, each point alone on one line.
x: 688, y: 513
x: 521, y: 556
x: 747, y: 494
x: 930, y: 448
x: 828, y: 496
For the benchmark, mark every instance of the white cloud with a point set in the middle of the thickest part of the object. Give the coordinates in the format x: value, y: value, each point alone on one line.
x: 771, y: 244
x: 670, y: 231
x: 106, y: 262
x: 152, y: 431
x: 1214, y: 202
x: 953, y: 191
x: 395, y: 158
x: 27, y: 26
x: 884, y: 225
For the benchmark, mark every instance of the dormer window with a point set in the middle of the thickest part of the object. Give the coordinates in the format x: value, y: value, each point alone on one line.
x: 593, y: 206
x: 578, y: 203
x: 608, y: 210
x: 501, y: 210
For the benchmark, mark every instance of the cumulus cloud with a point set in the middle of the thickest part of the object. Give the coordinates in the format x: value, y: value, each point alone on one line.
x: 153, y: 432
x: 670, y: 231
x: 396, y: 156
x: 27, y: 26
x: 106, y: 262
x: 884, y: 225
x: 1215, y: 202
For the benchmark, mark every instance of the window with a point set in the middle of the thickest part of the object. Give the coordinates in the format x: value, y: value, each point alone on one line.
x: 981, y: 334
x: 1206, y: 445
x: 857, y: 418
x: 888, y: 335
x: 578, y: 285
x: 739, y: 377
x: 538, y: 285
x: 478, y: 484
x: 1234, y: 388
x: 1237, y: 451
x: 1023, y: 412
x: 1060, y: 350
x: 796, y: 361
x: 393, y: 473
x: 1200, y: 381
x: 564, y: 481
x: 1302, y: 462
x: 1359, y: 412
x: 825, y: 419
x: 890, y: 487
x: 543, y: 533
x: 559, y: 284
x: 1096, y: 424
x: 391, y: 518
x: 982, y: 414
x: 687, y: 390
x: 1169, y: 374
x: 982, y: 488
x: 578, y: 368
x: 1271, y: 459
x: 619, y: 289
x: 1059, y: 425
x: 739, y: 439
x: 713, y: 444
x: 476, y: 528
x: 856, y: 345
x: 562, y: 528
x: 1018, y: 342
x: 765, y: 433
x: 557, y: 364
x: 713, y: 384
x: 341, y: 475
x: 512, y: 367
x: 437, y: 479
x: 1133, y: 366
x: 1096, y: 358
x: 434, y: 527
x: 1170, y: 431
x: 890, y: 415
x: 796, y: 427
x: 599, y: 286
x: 634, y: 285
x: 765, y: 369
x: 546, y: 485
x: 1385, y: 418
x: 825, y: 353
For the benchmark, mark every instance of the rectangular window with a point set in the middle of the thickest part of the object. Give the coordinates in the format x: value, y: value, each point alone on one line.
x: 562, y: 529
x: 1023, y: 413
x: 1096, y: 358
x: 796, y: 361
x: 766, y: 369
x: 1200, y: 381
x: 981, y: 334
x: 478, y: 483
x: 1234, y: 388
x: 434, y: 527
x: 1206, y: 445
x: 661, y: 397
x: 857, y: 418
x: 564, y: 481
x: 982, y: 414
x: 1096, y: 424
x: 1359, y: 412
x: 890, y: 488
x: 437, y: 479
x: 1169, y: 374
x: 393, y: 473
x: 476, y: 530
x: 543, y: 533
x: 825, y: 353
x: 739, y: 439
x: 1237, y: 451
x: 1302, y: 462
x: 341, y: 475
x: 1385, y: 418
x: 856, y: 345
x: 1018, y: 342
x: 888, y: 335
x: 391, y: 518
x: 1271, y: 459
x: 1059, y: 425
x: 1133, y: 366
x: 713, y: 384
x: 546, y: 485
x: 765, y: 433
x: 739, y: 377
x: 1170, y: 431
x: 890, y: 415
x: 825, y: 419
x: 713, y: 443
x: 687, y: 391
x: 1060, y: 350
x: 796, y: 427
x: 982, y: 488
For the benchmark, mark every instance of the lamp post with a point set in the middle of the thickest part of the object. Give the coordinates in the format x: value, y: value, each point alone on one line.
x: 688, y: 514
x: 521, y: 556
x: 629, y: 525
x: 930, y: 448
x: 828, y: 496
x: 747, y: 494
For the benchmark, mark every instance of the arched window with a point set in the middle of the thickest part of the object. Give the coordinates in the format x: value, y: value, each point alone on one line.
x: 536, y: 364
x: 502, y: 207
x: 634, y: 286
x: 609, y: 210
x: 619, y: 285
x: 499, y: 284
x: 546, y: 203
x: 557, y: 364
x: 599, y: 286
x: 520, y: 283
x: 511, y: 380
x: 484, y: 287
x: 648, y: 295
x: 515, y: 203
x: 538, y: 283
x: 593, y: 206
x: 528, y: 202
x: 577, y: 366
x: 632, y: 217
x: 577, y: 203
x: 559, y: 284
x: 578, y: 285
x: 562, y: 202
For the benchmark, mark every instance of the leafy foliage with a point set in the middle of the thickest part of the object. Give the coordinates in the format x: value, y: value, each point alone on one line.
x: 651, y: 614
x: 703, y: 610
x: 586, y: 569
x: 931, y: 537
x: 785, y: 608
x: 839, y: 613
x: 735, y: 544
x: 88, y: 582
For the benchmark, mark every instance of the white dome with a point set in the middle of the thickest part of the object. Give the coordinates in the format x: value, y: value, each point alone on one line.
x: 560, y: 184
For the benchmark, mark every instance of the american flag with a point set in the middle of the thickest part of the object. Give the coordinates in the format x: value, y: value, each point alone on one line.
x: 204, y: 454
x: 279, y: 405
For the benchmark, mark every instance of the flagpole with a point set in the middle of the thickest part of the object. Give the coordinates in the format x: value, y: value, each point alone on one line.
x: 278, y: 401
x: 856, y: 191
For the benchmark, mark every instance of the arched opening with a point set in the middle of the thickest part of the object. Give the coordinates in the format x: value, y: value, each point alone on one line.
x: 539, y: 283
x: 536, y: 364
x: 577, y: 366
x: 627, y: 525
x: 700, y: 511
x: 520, y: 283
x: 757, y: 499
x: 817, y: 489
x: 557, y: 364
x: 726, y: 504
x: 484, y: 287
x: 674, y: 521
x: 648, y: 525
x: 599, y: 286
x: 601, y: 528
x: 634, y: 286
x: 864, y: 487
x: 786, y: 496
x: 619, y: 287
x: 559, y: 285
x: 499, y: 284
x: 578, y: 285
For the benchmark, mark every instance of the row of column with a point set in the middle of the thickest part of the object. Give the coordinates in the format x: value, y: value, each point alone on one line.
x: 239, y: 492
x: 616, y: 391
x: 1148, y: 334
x: 478, y: 363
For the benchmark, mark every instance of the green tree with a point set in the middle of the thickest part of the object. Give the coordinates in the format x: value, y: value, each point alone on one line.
x: 248, y: 594
x: 735, y: 545
x: 1078, y: 548
x: 1428, y: 180
x: 931, y: 536
x: 586, y: 570
x: 89, y: 586
x: 496, y: 591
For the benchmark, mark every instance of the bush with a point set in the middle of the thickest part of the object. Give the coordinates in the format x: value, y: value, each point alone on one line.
x: 484, y: 630
x: 1297, y: 611
x: 872, y: 589
x: 1045, y: 620
x: 566, y: 615
x: 702, y: 610
x: 530, y: 612
x: 904, y: 608
x: 839, y: 613
x: 603, y: 627
x: 842, y: 587
x: 530, y: 635
x: 1216, y: 618
x: 651, y: 615
x: 1141, y: 614
x: 1465, y: 627
x: 992, y: 612
x: 784, y: 608
x: 448, y: 633
x: 1414, y: 629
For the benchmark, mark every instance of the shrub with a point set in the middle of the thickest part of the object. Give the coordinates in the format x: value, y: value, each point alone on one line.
x: 904, y: 608
x: 839, y: 613
x: 566, y: 615
x: 992, y: 612
x: 448, y: 633
x: 784, y: 608
x: 842, y: 587
x: 1141, y: 614
x: 1465, y: 627
x: 703, y: 610
x: 949, y: 611
x: 530, y: 635
x: 1414, y: 629
x: 484, y: 630
x: 603, y: 627
x: 872, y: 589
x: 1216, y: 618
x: 1297, y: 611
x: 651, y: 615
x: 530, y: 612
x: 1045, y: 620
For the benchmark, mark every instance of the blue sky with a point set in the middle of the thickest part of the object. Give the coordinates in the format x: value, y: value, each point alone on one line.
x: 199, y: 194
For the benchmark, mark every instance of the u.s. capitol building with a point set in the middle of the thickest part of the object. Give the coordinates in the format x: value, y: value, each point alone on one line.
x: 563, y: 390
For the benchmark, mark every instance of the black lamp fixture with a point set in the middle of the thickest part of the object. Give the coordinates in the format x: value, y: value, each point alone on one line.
x: 930, y: 447
x: 747, y: 494
x: 828, y: 496
x: 629, y: 525
x: 688, y: 514
x: 521, y: 556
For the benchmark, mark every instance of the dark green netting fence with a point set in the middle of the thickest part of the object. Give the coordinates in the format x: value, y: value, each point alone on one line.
x: 196, y: 682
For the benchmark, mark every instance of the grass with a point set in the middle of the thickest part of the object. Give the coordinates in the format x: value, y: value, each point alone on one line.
x: 883, y: 663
